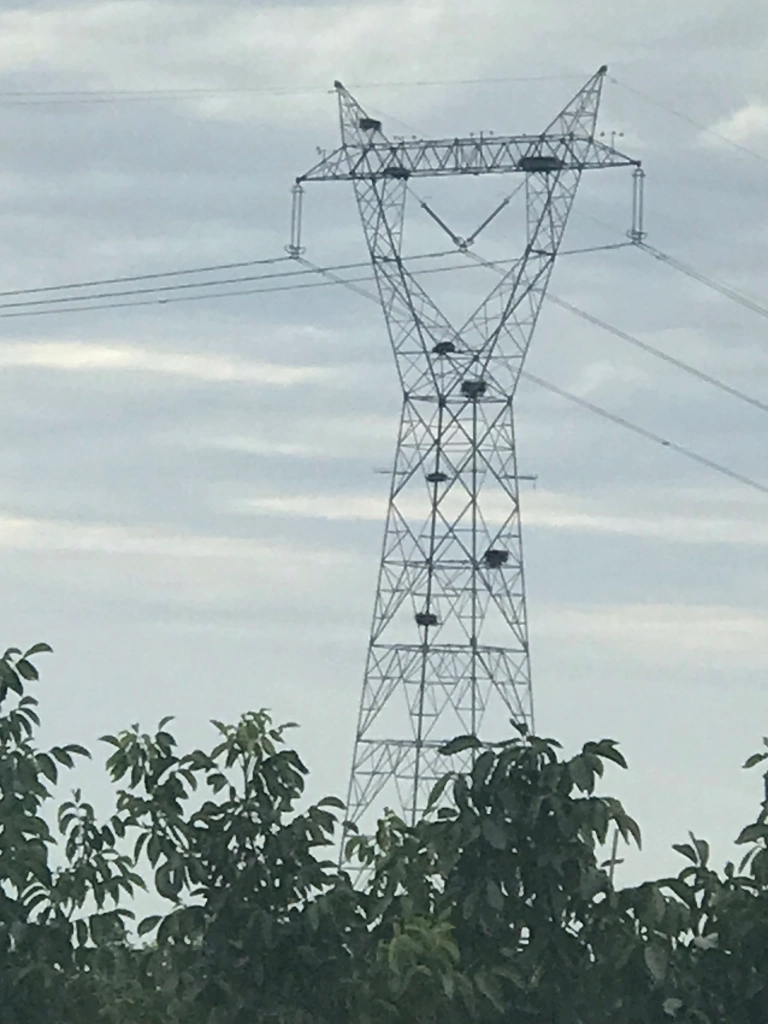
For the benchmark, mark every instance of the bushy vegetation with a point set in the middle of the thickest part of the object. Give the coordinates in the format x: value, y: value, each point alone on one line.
x: 494, y: 908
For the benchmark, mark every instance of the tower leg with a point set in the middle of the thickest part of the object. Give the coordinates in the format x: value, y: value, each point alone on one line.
x: 448, y: 651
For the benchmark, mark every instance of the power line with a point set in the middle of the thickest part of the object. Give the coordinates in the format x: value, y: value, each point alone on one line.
x: 98, y: 282
x: 166, y: 301
x: 65, y: 304
x: 332, y: 275
x: 621, y: 421
x: 710, y: 282
x: 335, y: 279
x: 48, y: 311
x: 649, y: 435
x: 84, y: 303
x: 332, y: 278
x: 158, y: 289
x: 676, y: 264
x: 689, y: 120
x: 685, y: 268
x: 646, y: 347
x: 659, y: 354
x: 76, y: 96
x: 40, y: 306
x: 186, y: 286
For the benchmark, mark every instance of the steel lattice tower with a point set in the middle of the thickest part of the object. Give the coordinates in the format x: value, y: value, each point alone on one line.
x: 448, y: 652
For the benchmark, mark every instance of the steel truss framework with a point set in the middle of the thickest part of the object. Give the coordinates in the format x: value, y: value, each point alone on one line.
x: 448, y: 651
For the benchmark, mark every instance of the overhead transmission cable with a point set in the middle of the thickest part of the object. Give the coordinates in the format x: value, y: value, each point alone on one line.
x: 153, y: 290
x: 332, y: 277
x: 99, y: 282
x: 164, y: 299
x: 185, y: 286
x: 464, y: 246
x: 621, y: 421
x: 157, y: 289
x: 164, y: 295
x: 646, y: 347
x: 42, y: 290
x: 659, y: 354
x: 688, y: 119
x: 167, y: 300
x: 55, y: 97
x: 685, y: 268
x: 41, y: 306
x: 710, y: 282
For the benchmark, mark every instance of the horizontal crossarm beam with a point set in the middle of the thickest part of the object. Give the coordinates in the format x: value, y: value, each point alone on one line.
x: 543, y: 154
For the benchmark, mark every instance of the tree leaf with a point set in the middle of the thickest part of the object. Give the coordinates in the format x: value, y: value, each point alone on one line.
x: 634, y: 830
x: 75, y: 748
x: 658, y: 904
x: 494, y: 895
x: 62, y: 756
x: 607, y: 749
x: 686, y: 850
x: 490, y: 989
x: 167, y: 883
x: 681, y: 890
x: 671, y: 1006
x: 332, y: 801
x: 12, y: 681
x: 581, y: 774
x: 148, y: 924
x: 26, y: 669
x: 702, y: 849
x: 494, y: 833
x: 657, y: 961
x: 752, y: 833
x: 437, y: 790
x: 38, y: 649
x: 481, y: 769
x: 459, y: 744
x: 47, y: 766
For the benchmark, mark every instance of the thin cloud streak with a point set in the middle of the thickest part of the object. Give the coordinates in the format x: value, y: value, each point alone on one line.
x: 80, y: 357
x: 541, y: 510
x: 25, y: 533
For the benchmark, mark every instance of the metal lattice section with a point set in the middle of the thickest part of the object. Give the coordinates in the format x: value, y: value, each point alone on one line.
x: 448, y: 651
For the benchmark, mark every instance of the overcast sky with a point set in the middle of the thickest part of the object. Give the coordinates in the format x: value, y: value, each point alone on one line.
x: 189, y: 511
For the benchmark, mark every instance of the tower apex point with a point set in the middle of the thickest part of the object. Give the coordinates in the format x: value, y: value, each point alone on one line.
x: 603, y: 69
x: 337, y: 84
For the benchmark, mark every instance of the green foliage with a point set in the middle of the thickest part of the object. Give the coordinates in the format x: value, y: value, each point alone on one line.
x: 56, y: 912
x: 498, y: 906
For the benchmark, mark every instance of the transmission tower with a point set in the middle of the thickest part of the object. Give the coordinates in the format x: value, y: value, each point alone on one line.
x: 448, y: 651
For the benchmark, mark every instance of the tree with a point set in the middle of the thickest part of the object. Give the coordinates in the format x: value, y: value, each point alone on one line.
x: 495, y: 907
x: 54, y: 920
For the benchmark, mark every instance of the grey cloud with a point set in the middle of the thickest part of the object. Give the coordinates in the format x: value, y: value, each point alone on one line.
x: 92, y: 190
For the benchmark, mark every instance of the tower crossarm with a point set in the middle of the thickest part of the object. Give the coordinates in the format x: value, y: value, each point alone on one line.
x: 492, y: 154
